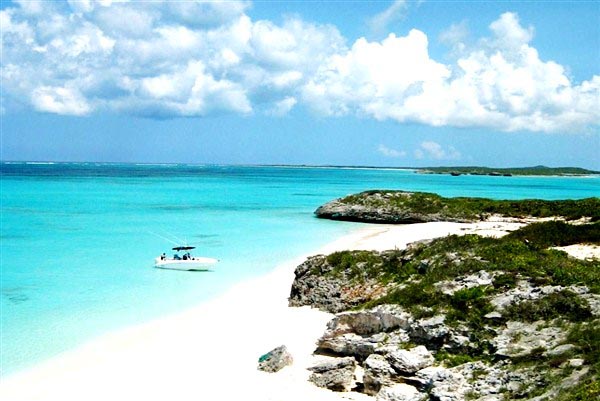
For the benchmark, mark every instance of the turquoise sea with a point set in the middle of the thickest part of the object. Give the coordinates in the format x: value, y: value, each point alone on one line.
x: 78, y: 239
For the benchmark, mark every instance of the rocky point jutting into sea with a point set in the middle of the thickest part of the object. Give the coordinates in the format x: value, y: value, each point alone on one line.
x: 461, y: 317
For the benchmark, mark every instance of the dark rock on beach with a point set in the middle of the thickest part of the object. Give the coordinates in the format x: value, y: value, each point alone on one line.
x: 275, y: 360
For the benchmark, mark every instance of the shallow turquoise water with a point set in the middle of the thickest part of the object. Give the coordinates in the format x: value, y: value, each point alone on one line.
x: 77, y: 246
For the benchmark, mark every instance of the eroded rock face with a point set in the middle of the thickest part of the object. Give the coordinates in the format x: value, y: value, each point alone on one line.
x: 315, y: 286
x: 400, y: 392
x: 432, y: 330
x: 383, y: 318
x: 360, y: 334
x: 336, y: 374
x: 275, y: 360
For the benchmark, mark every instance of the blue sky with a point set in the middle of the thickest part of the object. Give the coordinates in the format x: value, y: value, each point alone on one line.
x: 386, y: 83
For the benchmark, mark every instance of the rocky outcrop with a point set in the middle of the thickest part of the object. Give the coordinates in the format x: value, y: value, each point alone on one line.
x: 473, y: 319
x: 525, y: 291
x: 382, y: 341
x: 316, y: 284
x: 407, y: 362
x: 336, y: 374
x: 382, y: 207
x: 275, y: 360
x: 360, y: 334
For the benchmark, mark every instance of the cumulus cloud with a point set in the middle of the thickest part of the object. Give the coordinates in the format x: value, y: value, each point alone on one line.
x: 169, y: 59
x: 433, y: 150
x: 59, y: 100
x: 501, y: 83
x: 158, y: 59
x: 389, y: 152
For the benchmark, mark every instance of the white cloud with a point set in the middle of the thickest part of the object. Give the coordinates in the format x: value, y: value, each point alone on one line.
x: 433, y: 150
x: 508, y: 32
x: 194, y: 58
x: 373, y: 78
x: 59, y: 100
x: 282, y: 107
x: 160, y: 58
x: 500, y: 84
x: 455, y: 37
x: 456, y: 33
x: 389, y: 152
x: 396, y: 11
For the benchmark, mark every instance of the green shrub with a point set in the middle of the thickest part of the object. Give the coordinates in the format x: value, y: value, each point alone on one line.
x: 587, y: 337
x: 557, y: 233
x: 563, y: 304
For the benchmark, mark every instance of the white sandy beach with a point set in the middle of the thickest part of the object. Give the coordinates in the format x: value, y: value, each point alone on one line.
x: 210, y: 352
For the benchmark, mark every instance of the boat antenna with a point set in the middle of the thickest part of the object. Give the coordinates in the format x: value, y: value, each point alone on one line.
x: 174, y: 236
x: 165, y: 238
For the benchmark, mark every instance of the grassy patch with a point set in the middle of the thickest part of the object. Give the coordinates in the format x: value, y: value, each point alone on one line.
x: 587, y: 337
x: 359, y: 266
x: 563, y: 304
x: 451, y: 360
x: 587, y: 390
x: 557, y: 233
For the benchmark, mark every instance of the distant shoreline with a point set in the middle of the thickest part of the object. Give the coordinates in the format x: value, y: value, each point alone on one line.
x: 511, y: 171
x: 539, y: 171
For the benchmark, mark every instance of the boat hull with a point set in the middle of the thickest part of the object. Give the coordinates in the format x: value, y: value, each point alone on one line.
x: 196, y: 264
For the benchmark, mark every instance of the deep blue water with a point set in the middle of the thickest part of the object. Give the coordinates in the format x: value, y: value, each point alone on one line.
x: 78, y: 240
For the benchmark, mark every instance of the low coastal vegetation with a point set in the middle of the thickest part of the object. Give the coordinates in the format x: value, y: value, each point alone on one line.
x: 536, y: 170
x: 478, y: 317
x: 411, y: 207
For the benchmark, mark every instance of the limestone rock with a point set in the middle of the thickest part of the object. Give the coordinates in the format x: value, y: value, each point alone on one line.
x: 449, y: 385
x: 360, y: 334
x: 561, y: 350
x: 526, y: 292
x: 400, y: 392
x: 593, y: 301
x: 473, y: 280
x: 410, y: 361
x: 381, y: 318
x: 336, y: 374
x: 275, y: 360
x: 377, y: 373
x: 316, y: 287
x: 576, y: 362
x: 348, y: 344
x: 520, y: 339
x: 425, y: 377
x: 431, y: 330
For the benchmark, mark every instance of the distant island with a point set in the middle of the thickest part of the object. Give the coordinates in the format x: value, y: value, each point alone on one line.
x: 507, y: 172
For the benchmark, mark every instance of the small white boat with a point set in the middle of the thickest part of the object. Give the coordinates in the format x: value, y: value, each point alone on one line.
x: 185, y: 262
